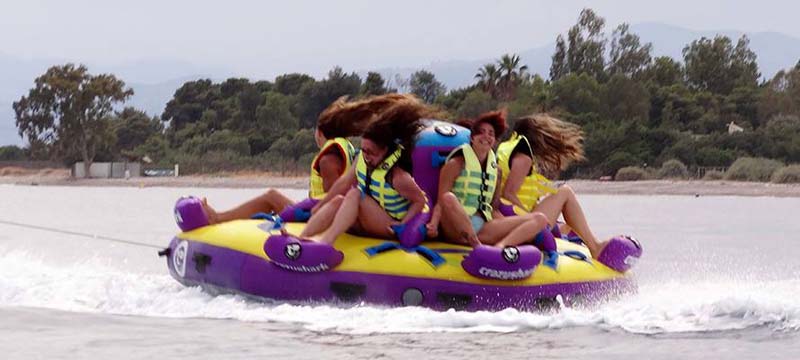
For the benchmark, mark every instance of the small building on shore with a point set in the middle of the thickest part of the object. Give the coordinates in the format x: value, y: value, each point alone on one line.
x: 108, y: 170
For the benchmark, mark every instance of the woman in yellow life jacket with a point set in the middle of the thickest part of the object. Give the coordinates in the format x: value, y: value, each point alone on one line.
x: 338, y: 121
x: 542, y: 143
x: 469, y: 194
x: 379, y: 191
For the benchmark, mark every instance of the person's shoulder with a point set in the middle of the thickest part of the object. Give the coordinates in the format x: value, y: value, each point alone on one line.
x: 330, y: 158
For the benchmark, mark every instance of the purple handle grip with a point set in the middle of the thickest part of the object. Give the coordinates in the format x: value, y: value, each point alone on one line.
x: 189, y: 213
x: 299, y: 212
x: 413, y: 232
x: 621, y: 253
x: 509, y: 263
x: 507, y: 210
x: 545, y: 240
x: 293, y: 254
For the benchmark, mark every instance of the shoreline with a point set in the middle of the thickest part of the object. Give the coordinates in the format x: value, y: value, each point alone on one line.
x: 267, y: 180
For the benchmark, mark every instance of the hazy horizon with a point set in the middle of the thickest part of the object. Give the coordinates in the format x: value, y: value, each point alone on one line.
x: 265, y: 39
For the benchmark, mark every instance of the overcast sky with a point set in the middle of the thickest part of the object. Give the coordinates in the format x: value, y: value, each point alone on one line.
x: 265, y: 38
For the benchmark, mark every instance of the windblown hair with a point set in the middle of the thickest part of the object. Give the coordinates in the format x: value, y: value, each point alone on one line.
x: 555, y: 143
x: 398, y: 125
x: 497, y: 119
x: 350, y: 118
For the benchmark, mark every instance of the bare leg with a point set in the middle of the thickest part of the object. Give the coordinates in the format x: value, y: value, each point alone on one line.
x: 345, y: 217
x: 323, y: 218
x: 270, y: 201
x: 455, y: 223
x: 373, y: 219
x: 565, y: 201
x: 514, y: 230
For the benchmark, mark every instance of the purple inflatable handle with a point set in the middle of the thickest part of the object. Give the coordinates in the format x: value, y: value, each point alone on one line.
x: 291, y: 253
x: 621, y: 253
x: 189, y: 214
x: 299, y: 212
x: 413, y: 232
x: 507, y: 210
x: 545, y: 240
x: 556, y: 230
x: 509, y: 263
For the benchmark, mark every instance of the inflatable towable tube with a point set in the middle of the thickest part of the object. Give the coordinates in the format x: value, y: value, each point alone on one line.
x: 257, y: 257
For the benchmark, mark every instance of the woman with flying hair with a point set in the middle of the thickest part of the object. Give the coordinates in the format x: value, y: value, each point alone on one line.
x: 336, y: 123
x: 542, y: 143
x: 379, y: 192
x: 467, y: 210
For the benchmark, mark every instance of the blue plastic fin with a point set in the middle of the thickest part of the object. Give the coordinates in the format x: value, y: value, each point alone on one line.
x: 377, y: 249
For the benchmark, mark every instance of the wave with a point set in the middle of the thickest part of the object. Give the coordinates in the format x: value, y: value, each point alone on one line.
x: 97, y: 286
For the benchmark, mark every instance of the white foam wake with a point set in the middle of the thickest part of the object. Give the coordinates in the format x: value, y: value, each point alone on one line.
x: 97, y: 287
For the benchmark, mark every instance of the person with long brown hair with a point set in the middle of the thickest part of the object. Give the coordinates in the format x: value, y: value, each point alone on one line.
x: 467, y: 207
x: 540, y: 144
x: 340, y: 120
x: 379, y: 191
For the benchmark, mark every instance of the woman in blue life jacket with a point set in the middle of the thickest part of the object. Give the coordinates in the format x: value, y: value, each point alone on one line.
x: 379, y: 191
x: 340, y: 120
x: 542, y: 143
x: 467, y: 207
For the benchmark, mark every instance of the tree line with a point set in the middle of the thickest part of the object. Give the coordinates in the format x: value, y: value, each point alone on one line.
x: 635, y: 109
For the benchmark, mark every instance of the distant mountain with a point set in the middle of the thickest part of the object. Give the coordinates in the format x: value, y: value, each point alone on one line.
x: 152, y: 98
x: 775, y: 52
x: 155, y: 81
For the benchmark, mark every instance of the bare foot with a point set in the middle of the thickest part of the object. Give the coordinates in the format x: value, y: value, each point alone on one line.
x: 596, y: 248
x: 471, y: 239
x: 211, y: 214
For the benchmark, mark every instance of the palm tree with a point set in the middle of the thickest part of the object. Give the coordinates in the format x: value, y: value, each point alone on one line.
x: 488, y: 77
x: 510, y: 73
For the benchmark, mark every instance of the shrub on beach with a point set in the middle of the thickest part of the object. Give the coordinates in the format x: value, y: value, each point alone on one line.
x: 630, y: 173
x: 787, y: 175
x: 714, y: 175
x: 673, y: 169
x: 752, y: 169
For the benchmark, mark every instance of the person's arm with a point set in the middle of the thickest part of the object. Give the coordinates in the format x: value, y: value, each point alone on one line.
x: 340, y: 187
x: 405, y: 185
x: 520, y: 168
x: 496, y: 197
x: 331, y: 167
x: 447, y: 177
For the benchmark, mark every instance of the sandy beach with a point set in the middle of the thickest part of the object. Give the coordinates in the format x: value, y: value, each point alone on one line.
x: 61, y: 177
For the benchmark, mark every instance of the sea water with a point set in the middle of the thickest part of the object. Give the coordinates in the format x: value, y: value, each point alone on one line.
x: 720, y: 278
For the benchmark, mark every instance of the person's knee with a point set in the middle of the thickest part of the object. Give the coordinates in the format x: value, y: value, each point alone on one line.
x: 566, y: 190
x: 353, y: 196
x: 449, y: 201
x: 271, y: 193
x: 352, y: 193
x: 539, y: 218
